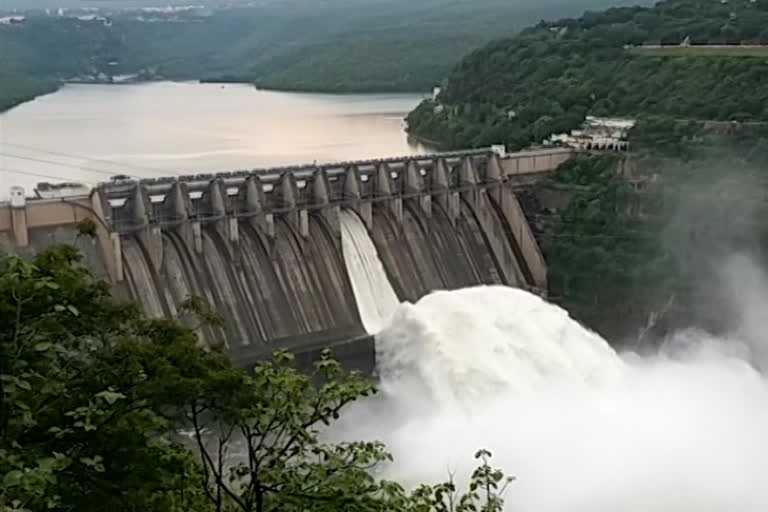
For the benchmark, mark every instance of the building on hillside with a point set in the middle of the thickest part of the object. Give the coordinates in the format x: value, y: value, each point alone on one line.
x: 96, y: 18
x: 596, y: 134
x: 12, y: 20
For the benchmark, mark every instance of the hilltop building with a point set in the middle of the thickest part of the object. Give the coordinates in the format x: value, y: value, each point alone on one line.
x: 596, y: 133
x: 12, y: 20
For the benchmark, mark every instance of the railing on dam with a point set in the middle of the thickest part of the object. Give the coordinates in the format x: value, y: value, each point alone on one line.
x: 264, y: 246
x: 122, y: 207
x: 166, y: 202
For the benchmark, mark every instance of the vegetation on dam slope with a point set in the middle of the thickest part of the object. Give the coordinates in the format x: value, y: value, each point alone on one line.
x: 549, y: 77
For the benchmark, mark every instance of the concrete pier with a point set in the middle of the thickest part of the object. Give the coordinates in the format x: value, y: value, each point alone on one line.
x: 263, y: 247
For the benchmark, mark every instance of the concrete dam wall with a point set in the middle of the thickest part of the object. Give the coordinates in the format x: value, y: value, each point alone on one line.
x: 264, y: 248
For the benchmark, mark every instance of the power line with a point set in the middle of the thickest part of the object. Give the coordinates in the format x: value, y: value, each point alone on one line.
x: 83, y: 157
x: 62, y: 164
x: 38, y: 175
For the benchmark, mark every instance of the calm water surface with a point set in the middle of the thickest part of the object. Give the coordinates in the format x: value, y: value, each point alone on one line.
x: 86, y: 133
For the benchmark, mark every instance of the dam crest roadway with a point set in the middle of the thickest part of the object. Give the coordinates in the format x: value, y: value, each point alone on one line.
x: 264, y: 247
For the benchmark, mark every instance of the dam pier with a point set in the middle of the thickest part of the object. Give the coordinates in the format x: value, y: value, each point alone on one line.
x: 264, y: 247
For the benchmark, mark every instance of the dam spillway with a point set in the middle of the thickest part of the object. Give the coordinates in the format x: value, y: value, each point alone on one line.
x: 376, y: 300
x: 265, y: 248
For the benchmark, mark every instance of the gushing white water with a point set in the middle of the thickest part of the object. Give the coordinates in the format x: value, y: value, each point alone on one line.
x: 376, y: 300
x: 467, y: 344
x: 582, y: 428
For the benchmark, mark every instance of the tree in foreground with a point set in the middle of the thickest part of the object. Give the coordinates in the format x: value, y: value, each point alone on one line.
x: 102, y: 408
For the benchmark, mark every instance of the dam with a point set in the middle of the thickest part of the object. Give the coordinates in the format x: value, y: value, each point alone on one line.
x: 266, y: 248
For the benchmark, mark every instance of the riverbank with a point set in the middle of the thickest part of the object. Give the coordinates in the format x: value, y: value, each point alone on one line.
x: 424, y: 141
x: 20, y: 97
x: 134, y: 129
x: 268, y: 85
x: 16, y: 90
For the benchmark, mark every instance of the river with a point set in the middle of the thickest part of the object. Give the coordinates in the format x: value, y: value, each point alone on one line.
x: 87, y: 133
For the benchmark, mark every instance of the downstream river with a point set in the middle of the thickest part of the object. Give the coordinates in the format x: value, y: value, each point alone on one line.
x: 87, y: 133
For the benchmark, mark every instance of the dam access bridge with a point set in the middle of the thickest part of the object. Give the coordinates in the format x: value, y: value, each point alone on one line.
x: 264, y: 247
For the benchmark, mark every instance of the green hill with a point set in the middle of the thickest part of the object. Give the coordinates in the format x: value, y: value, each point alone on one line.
x: 546, y: 79
x: 329, y: 46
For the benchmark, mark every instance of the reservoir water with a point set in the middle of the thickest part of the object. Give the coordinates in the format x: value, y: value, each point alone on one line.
x: 87, y: 133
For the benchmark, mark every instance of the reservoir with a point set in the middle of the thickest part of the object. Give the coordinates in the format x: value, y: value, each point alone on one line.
x: 87, y: 133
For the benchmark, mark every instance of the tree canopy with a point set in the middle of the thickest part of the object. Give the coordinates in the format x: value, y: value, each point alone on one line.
x: 104, y: 409
x: 636, y: 245
x: 549, y: 77
x: 333, y: 46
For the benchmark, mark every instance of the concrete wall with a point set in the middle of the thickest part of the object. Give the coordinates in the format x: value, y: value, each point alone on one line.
x: 264, y: 247
x: 267, y: 288
x: 535, y: 161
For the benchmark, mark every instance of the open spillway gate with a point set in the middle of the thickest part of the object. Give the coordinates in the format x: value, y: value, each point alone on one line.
x: 263, y: 247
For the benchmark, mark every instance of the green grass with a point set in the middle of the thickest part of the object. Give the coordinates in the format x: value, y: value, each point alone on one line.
x: 701, y: 51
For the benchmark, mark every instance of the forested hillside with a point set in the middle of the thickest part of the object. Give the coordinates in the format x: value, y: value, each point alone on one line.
x: 645, y: 237
x: 648, y: 241
x: 546, y: 79
x: 332, y: 46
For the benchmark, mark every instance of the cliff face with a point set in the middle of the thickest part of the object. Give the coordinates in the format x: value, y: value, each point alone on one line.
x: 642, y: 245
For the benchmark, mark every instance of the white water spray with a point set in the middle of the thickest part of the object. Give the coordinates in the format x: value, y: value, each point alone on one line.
x: 582, y: 428
x: 464, y: 345
x: 376, y: 300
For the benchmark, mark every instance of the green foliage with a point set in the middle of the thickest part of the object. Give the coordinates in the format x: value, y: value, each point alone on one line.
x: 600, y: 253
x: 86, y: 227
x: 487, y: 487
x: 546, y: 79
x: 81, y: 414
x: 709, y: 51
x: 641, y: 230
x: 95, y: 400
x: 273, y: 420
x: 660, y: 135
x: 17, y: 88
x: 197, y: 308
x: 334, y: 46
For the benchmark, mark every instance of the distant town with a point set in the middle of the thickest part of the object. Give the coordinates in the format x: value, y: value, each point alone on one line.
x: 171, y: 13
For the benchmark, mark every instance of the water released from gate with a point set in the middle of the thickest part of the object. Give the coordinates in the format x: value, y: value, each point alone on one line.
x: 583, y: 429
x: 376, y: 300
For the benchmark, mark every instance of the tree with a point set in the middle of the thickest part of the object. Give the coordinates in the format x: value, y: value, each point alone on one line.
x: 261, y: 445
x: 259, y: 440
x: 83, y: 414
x: 94, y: 400
x: 544, y: 71
x: 487, y: 487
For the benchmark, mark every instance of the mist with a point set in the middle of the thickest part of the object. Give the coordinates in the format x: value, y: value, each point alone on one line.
x: 584, y: 428
x: 581, y: 427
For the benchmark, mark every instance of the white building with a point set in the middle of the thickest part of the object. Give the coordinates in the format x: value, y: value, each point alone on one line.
x: 95, y: 17
x: 597, y: 133
x: 12, y: 20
